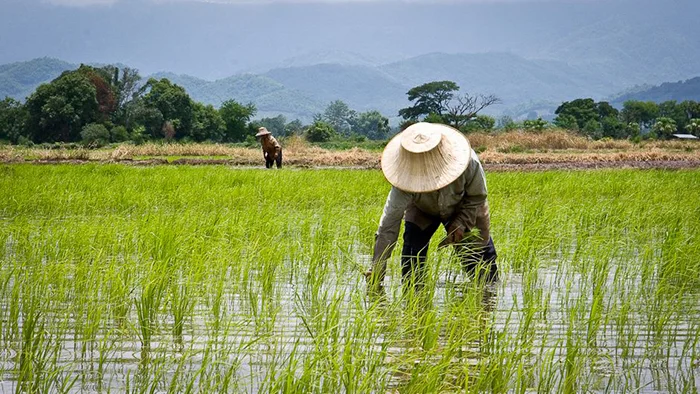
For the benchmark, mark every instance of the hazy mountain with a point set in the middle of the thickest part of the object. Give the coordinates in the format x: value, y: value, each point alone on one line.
x: 269, y: 96
x: 678, y: 91
x: 526, y: 87
x: 639, y: 40
x: 20, y: 79
x: 363, y: 88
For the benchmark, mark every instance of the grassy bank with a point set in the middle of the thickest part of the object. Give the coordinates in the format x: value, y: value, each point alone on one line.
x: 177, y: 279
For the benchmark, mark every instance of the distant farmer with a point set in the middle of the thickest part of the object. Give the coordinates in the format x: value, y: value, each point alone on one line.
x: 436, y: 179
x: 272, y: 151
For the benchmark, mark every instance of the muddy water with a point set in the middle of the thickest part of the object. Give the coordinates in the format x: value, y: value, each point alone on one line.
x: 640, y: 343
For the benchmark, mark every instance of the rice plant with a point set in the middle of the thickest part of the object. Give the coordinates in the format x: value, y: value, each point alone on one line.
x: 216, y: 279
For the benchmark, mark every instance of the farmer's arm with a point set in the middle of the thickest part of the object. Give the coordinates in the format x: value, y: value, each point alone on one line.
x: 473, y: 210
x: 388, y: 231
x: 278, y: 147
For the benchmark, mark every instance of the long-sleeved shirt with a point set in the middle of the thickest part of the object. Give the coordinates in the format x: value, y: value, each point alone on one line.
x: 462, y: 202
x: 270, y: 147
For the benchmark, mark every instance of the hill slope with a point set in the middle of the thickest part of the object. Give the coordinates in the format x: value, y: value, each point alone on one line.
x: 678, y: 91
x: 19, y: 80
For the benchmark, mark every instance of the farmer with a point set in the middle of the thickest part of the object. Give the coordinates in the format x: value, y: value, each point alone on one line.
x: 272, y: 151
x: 436, y: 179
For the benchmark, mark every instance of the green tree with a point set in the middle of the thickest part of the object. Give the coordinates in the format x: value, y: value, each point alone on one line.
x: 372, y: 125
x: 119, y: 134
x: 671, y: 109
x: 57, y: 111
x: 480, y: 123
x: 664, y: 128
x: 593, y: 129
x: 293, y: 127
x: 642, y: 112
x: 340, y: 117
x: 13, y: 117
x: 126, y: 84
x: 691, y: 109
x: 612, y: 127
x: 429, y: 98
x: 139, y: 115
x: 320, y: 132
x: 275, y: 125
x: 632, y: 129
x: 693, y: 127
x: 207, y: 124
x: 173, y: 102
x: 567, y: 122
x: 581, y: 110
x: 236, y: 117
x: 605, y: 110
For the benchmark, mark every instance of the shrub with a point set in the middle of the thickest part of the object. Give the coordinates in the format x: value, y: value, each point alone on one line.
x: 537, y: 125
x: 118, y: 134
x: 138, y: 135
x: 320, y: 132
x: 94, y: 135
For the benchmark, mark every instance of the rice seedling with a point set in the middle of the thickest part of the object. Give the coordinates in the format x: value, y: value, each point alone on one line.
x: 211, y: 279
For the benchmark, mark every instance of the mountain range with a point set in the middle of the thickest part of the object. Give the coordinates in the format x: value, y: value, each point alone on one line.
x: 300, y: 92
x: 294, y: 57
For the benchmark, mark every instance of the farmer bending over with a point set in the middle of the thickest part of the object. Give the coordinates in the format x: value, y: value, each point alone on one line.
x: 272, y: 151
x: 436, y: 179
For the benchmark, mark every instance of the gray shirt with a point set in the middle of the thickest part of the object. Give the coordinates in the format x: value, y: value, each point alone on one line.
x: 462, y: 202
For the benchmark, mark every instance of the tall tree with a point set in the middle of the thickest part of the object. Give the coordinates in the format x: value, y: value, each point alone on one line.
x: 173, y: 102
x: 642, y: 112
x: 664, y: 128
x: 429, y: 98
x: 274, y: 125
x: 126, y: 86
x: 13, y: 117
x: 372, y: 125
x: 57, y: 111
x: 339, y: 116
x: 207, y: 124
x: 236, y: 117
x: 582, y: 110
x: 293, y: 127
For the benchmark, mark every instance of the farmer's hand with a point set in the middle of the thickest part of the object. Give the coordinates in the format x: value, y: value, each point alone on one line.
x: 455, y: 234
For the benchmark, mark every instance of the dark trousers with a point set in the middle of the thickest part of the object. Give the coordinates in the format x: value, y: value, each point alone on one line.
x: 278, y: 161
x: 481, y: 263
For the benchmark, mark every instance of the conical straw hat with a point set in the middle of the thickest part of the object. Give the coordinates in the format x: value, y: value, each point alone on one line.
x: 262, y: 131
x: 425, y: 157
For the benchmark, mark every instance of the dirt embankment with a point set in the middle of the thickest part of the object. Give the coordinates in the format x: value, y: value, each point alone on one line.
x: 499, y: 152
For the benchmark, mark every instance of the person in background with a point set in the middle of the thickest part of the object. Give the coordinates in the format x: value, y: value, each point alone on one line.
x: 272, y: 150
x: 436, y: 179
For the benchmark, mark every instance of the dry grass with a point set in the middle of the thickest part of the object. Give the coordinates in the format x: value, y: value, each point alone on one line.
x: 515, y: 147
x: 563, y: 140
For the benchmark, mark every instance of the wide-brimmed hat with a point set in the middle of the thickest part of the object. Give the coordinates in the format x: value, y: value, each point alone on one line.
x: 425, y: 157
x: 262, y: 131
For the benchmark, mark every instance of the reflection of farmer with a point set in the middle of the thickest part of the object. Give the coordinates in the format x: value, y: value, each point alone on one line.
x: 272, y: 151
x: 437, y: 179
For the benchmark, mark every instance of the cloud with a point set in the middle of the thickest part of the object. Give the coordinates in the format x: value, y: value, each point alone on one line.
x: 81, y: 3
x: 84, y: 3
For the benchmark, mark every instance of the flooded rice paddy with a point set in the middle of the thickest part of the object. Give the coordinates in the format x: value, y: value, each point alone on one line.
x: 119, y: 279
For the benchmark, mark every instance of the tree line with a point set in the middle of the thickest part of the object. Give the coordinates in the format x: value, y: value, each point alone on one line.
x: 439, y: 102
x: 100, y: 105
